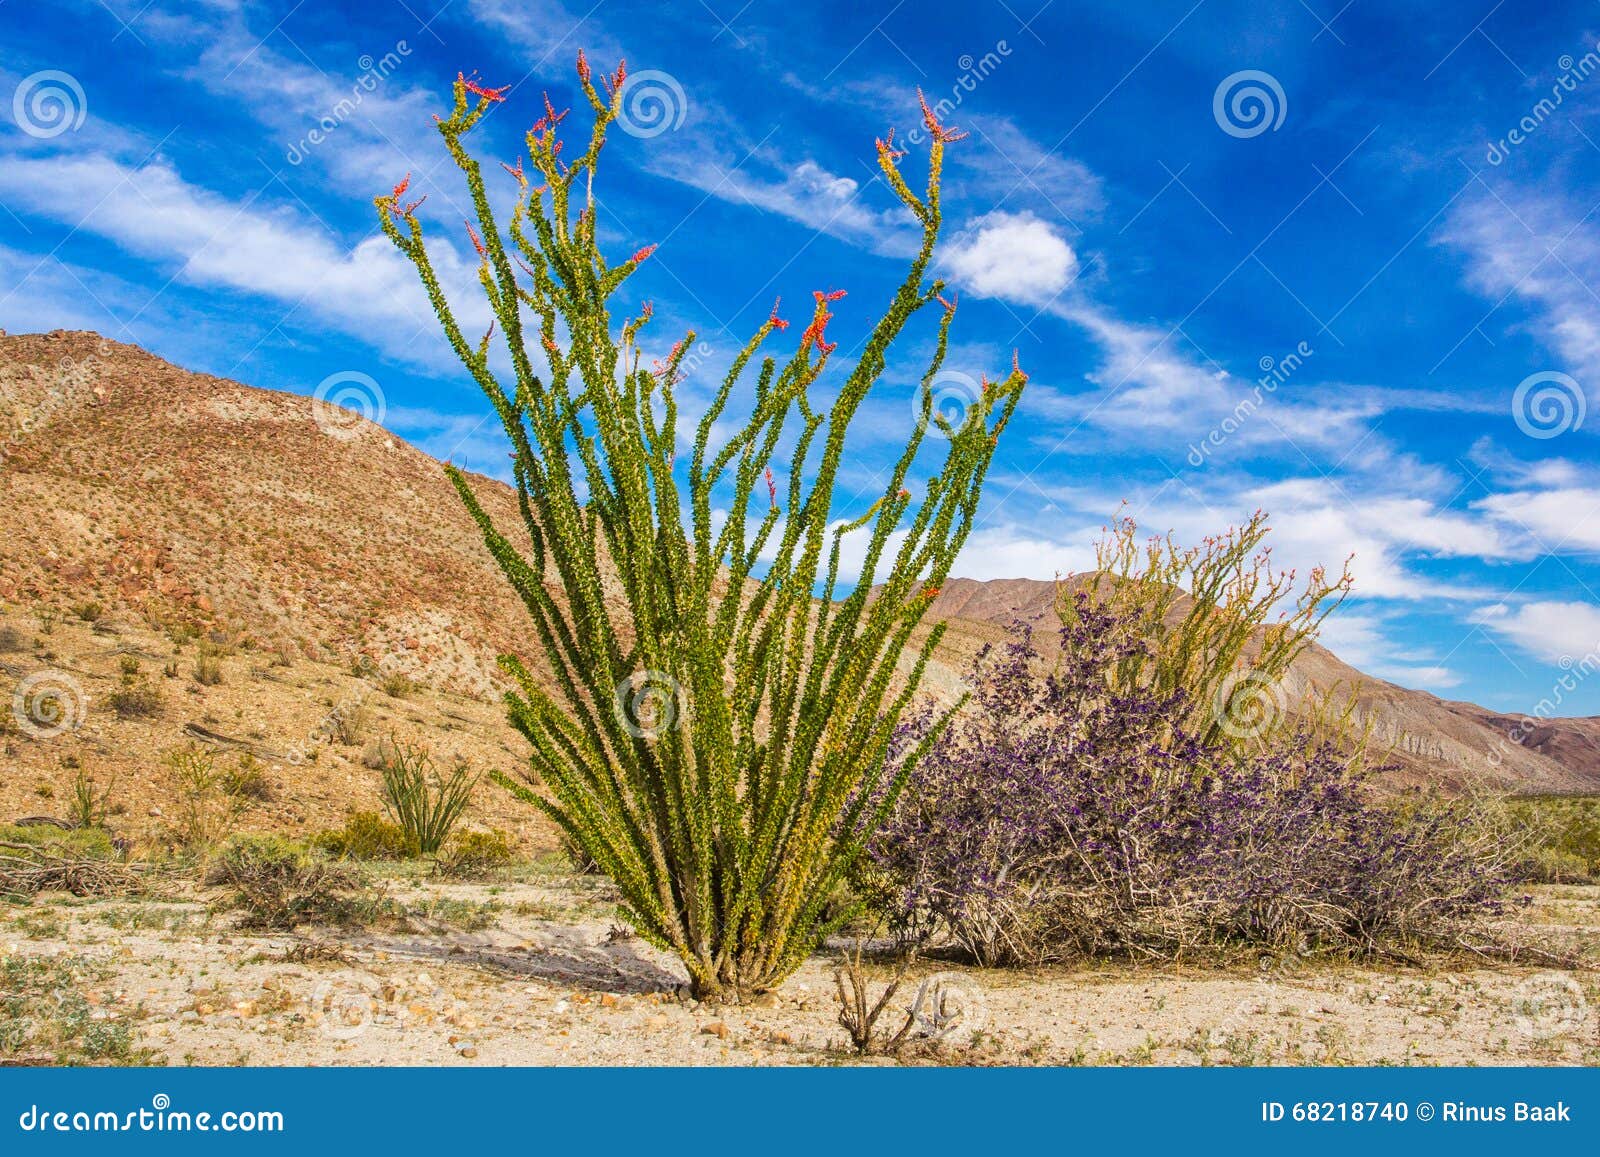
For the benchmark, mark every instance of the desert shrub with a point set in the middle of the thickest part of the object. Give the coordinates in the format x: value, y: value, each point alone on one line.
x: 88, y: 612
x: 135, y: 698
x: 397, y: 685
x: 47, y: 1017
x: 1204, y: 612
x: 40, y: 857
x: 425, y: 803
x: 207, y: 669
x: 347, y: 723
x: 202, y: 805
x: 476, y: 854
x: 247, y: 780
x: 1059, y: 817
x: 367, y: 836
x: 87, y: 806
x: 81, y: 843
x: 281, y: 884
x: 705, y: 750
x: 1566, y: 831
x: 128, y: 664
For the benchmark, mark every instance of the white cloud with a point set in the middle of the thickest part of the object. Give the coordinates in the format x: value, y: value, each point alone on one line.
x: 1562, y: 520
x: 1542, y: 250
x: 1014, y: 257
x: 1561, y: 632
x: 204, y: 239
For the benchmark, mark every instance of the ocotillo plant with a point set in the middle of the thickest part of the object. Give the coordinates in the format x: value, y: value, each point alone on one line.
x: 717, y: 738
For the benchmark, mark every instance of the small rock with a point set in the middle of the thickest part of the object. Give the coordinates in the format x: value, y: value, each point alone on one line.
x: 717, y: 1029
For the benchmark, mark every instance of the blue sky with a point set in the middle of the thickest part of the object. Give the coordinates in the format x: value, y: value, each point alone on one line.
x: 1381, y: 210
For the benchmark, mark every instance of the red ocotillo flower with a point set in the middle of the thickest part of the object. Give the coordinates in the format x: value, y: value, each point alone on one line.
x: 1016, y: 368
x: 550, y: 345
x: 648, y: 311
x: 772, y: 487
x: 774, y: 320
x: 886, y: 149
x: 583, y: 67
x: 400, y: 191
x: 551, y: 117
x: 614, y: 81
x: 662, y: 368
x: 491, y: 94
x: 938, y: 131
x: 477, y: 242
x: 517, y: 172
x: 642, y: 254
x: 819, y: 323
x: 949, y: 306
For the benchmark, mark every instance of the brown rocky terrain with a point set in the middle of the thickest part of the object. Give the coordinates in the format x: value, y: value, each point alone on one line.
x: 145, y: 510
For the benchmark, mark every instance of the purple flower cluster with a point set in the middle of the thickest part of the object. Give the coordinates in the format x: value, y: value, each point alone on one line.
x: 1055, y: 818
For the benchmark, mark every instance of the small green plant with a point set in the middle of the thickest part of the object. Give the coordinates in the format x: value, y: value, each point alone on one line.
x: 367, y: 836
x: 398, y: 686
x: 46, y: 1016
x: 128, y: 665
x: 88, y: 612
x: 1566, y: 836
x: 247, y: 780
x: 87, y: 806
x: 281, y: 884
x: 207, y: 665
x: 423, y: 802
x: 476, y: 854
x: 347, y: 723
x: 204, y: 808
x: 135, y: 697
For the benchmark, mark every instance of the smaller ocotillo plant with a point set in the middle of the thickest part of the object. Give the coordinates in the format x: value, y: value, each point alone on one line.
x: 423, y: 802
x: 87, y: 808
x: 1204, y: 611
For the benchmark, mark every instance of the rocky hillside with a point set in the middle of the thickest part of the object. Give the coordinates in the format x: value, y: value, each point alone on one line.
x: 184, y: 504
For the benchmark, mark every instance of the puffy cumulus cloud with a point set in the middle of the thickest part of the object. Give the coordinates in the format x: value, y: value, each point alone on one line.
x: 1561, y: 632
x: 206, y: 239
x: 1015, y: 257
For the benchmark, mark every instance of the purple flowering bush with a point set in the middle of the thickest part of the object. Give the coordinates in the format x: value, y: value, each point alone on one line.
x: 1057, y: 817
